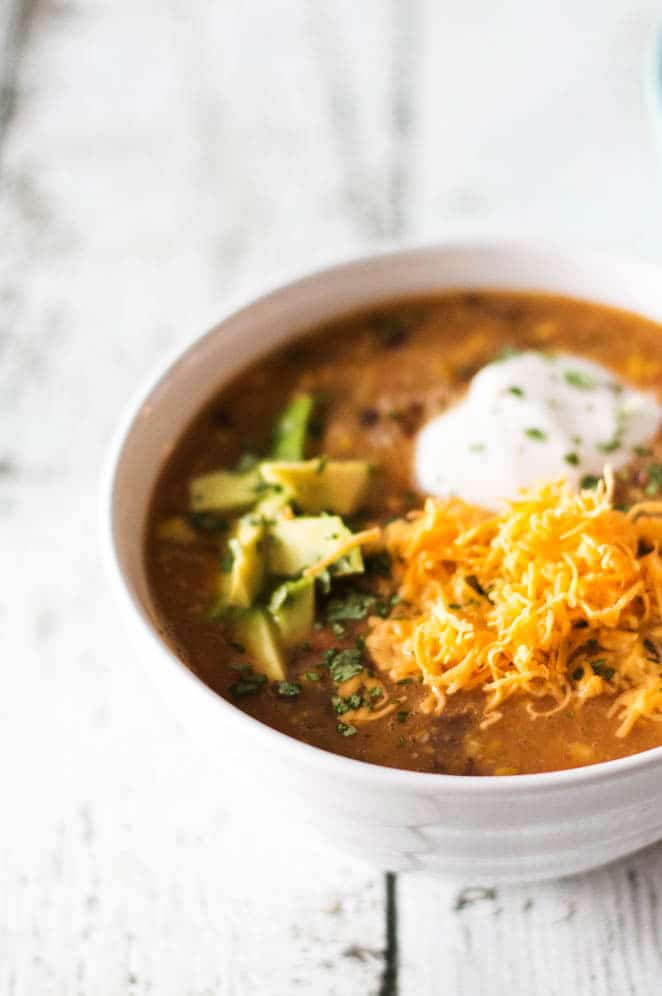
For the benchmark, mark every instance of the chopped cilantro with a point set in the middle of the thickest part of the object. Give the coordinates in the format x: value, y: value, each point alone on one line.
x: 610, y: 445
x: 642, y: 451
x: 249, y: 683
x: 477, y: 447
x: 328, y: 656
x: 351, y: 604
x: 384, y: 606
x: 345, y: 729
x: 578, y: 379
x: 589, y: 481
x: 572, y: 459
x: 601, y: 668
x: 311, y: 676
x: 343, y: 705
x: 538, y: 434
x: 402, y: 741
x: 337, y: 629
x: 654, y: 471
x: 516, y: 391
x: 405, y: 681
x: 402, y: 715
x: 287, y: 689
x: 375, y: 692
x: 343, y: 664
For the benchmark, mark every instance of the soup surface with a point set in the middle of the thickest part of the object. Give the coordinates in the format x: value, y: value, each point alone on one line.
x: 376, y: 380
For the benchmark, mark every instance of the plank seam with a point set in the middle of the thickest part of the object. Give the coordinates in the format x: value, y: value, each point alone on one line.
x: 389, y: 982
x: 14, y: 20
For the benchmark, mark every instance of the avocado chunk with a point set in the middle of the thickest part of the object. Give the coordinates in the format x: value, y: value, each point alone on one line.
x: 247, y: 571
x: 225, y: 491
x: 253, y: 629
x: 292, y: 607
x: 320, y: 485
x: 290, y: 431
x: 294, y: 544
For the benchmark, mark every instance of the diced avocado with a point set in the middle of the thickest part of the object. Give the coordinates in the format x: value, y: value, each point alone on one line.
x: 225, y: 491
x: 294, y: 544
x: 247, y: 571
x: 289, y: 441
x: 321, y: 485
x: 254, y: 630
x: 292, y: 607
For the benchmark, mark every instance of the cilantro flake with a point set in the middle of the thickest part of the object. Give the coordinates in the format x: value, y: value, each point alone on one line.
x: 287, y: 689
x: 601, y: 668
x: 575, y: 378
x: 343, y: 664
x: 352, y: 604
x: 250, y: 682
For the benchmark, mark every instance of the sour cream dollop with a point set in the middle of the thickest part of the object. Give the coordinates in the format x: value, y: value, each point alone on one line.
x: 532, y: 416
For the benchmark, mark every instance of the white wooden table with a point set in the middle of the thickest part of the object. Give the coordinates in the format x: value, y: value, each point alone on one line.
x: 157, y: 157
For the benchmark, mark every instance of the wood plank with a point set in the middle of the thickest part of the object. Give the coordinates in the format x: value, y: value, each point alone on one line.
x: 160, y: 159
x: 599, y: 933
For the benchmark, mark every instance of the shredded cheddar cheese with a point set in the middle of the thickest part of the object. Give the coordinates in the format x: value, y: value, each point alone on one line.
x: 558, y: 597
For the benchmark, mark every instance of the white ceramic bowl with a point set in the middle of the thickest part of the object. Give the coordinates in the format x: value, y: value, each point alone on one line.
x: 499, y: 829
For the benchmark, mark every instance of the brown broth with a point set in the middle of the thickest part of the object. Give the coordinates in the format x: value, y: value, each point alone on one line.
x: 382, y: 374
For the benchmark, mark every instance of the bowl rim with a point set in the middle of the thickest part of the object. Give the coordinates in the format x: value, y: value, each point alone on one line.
x: 264, y: 736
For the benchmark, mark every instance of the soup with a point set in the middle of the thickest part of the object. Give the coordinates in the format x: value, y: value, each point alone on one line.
x: 281, y: 524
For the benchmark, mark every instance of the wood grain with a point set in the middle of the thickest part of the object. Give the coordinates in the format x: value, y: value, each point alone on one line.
x: 599, y: 934
x: 160, y: 158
